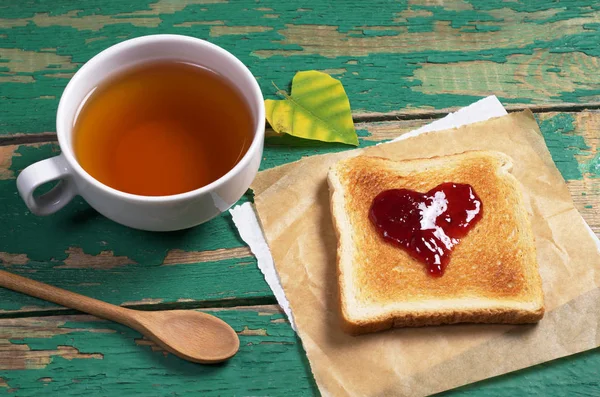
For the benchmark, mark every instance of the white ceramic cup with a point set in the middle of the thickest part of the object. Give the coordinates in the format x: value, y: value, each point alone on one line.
x: 155, y: 213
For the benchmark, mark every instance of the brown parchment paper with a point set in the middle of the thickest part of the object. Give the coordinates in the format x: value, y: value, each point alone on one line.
x: 292, y: 202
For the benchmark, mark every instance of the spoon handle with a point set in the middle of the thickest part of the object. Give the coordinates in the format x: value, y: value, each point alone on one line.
x: 65, y: 298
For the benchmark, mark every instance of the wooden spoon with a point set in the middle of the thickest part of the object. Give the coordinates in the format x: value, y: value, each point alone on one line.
x: 191, y: 335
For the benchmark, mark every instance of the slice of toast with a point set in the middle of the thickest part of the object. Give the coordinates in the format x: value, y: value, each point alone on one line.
x: 492, y: 276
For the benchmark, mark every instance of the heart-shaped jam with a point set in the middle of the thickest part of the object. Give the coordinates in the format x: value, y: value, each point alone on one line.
x: 428, y: 225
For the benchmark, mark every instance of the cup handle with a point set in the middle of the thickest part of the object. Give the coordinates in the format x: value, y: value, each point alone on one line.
x: 55, y: 168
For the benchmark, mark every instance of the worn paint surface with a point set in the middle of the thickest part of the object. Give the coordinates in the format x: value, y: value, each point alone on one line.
x: 75, y: 355
x: 80, y: 250
x: 91, y: 255
x: 396, y: 55
x: 396, y: 59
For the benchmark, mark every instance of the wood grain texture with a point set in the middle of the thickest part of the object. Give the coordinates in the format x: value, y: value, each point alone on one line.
x: 402, y: 65
x: 75, y: 355
x: 93, y: 256
x: 78, y: 355
x: 396, y: 56
x: 216, y: 343
x: 79, y: 250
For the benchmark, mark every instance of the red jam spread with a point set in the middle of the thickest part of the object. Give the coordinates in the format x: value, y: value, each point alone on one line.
x: 428, y: 225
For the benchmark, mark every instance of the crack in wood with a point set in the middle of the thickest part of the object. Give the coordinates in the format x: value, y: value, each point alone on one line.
x: 22, y: 139
x: 358, y: 117
x: 241, y: 304
x: 145, y: 301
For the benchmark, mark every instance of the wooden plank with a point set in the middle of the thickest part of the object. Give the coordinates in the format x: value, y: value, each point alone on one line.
x: 76, y: 355
x: 408, y: 60
x: 409, y: 57
x: 80, y: 250
x: 414, y: 116
x: 209, y: 265
x: 574, y: 142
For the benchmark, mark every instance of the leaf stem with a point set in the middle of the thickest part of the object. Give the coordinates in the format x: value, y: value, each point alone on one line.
x: 280, y: 91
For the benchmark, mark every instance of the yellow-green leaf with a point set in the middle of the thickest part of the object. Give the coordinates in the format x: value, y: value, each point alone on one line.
x: 318, y: 108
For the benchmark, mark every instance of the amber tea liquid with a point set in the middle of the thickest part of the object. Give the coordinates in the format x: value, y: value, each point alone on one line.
x: 162, y: 128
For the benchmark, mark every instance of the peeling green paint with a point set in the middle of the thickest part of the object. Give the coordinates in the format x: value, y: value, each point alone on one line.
x: 457, y: 19
x: 381, y: 81
x: 49, y: 238
x: 373, y: 32
x: 198, y: 282
x: 487, y: 28
x: 81, y: 226
x: 563, y: 144
x: 78, y: 225
x: 591, y: 168
x: 273, y: 364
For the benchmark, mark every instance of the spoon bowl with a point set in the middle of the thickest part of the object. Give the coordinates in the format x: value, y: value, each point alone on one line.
x: 194, y: 336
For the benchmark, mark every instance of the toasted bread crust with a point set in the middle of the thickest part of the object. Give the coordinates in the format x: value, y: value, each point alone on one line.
x: 507, y: 315
x: 492, y: 276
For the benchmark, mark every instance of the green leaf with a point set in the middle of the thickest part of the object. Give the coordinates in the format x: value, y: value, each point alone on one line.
x: 317, y: 109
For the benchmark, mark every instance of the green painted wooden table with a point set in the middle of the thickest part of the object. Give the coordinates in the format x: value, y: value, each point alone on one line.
x: 403, y: 63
